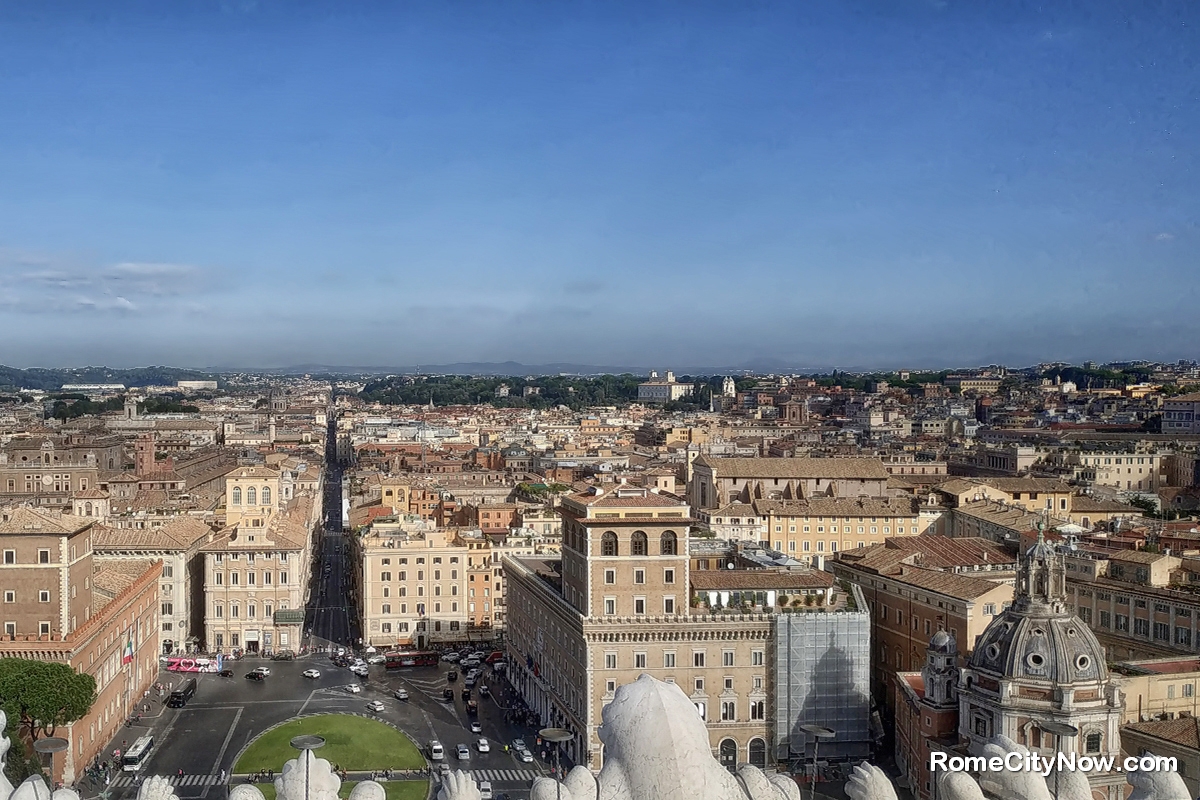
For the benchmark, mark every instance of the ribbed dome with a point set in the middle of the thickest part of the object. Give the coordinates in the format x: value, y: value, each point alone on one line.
x: 1058, y: 648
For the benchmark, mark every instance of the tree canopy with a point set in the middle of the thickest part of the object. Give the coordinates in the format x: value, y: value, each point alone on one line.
x: 41, y: 695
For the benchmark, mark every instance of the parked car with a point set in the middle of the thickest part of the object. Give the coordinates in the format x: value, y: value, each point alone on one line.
x: 255, y: 675
x: 400, y: 694
x: 463, y: 752
x: 485, y: 790
x: 311, y: 673
x: 353, y: 688
x: 476, y: 726
x: 283, y: 655
x: 376, y: 706
x: 483, y: 746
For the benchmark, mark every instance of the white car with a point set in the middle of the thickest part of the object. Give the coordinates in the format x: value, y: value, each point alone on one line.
x: 483, y: 746
x: 361, y: 672
x: 376, y: 659
x: 476, y: 727
x: 400, y: 694
x: 311, y: 673
x: 463, y: 752
x: 451, y: 657
x: 354, y: 688
x: 524, y: 756
x: 375, y: 705
x: 264, y: 671
x: 485, y: 790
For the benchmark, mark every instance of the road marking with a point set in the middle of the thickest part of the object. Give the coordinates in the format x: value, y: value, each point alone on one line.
x: 224, y: 747
x: 207, y: 781
x: 306, y: 702
x: 504, y: 774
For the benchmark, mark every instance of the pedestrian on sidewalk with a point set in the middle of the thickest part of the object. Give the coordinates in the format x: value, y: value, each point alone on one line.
x: 222, y: 776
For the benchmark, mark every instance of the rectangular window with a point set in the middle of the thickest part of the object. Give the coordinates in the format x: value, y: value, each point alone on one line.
x: 282, y: 578
x: 727, y: 658
x: 698, y: 658
x: 668, y: 576
x: 639, y: 660
x: 610, y: 660
x: 668, y: 605
x: 610, y: 576
x: 44, y: 596
x: 610, y: 606
x: 10, y: 557
x: 43, y: 556
x: 669, y: 660
x: 639, y: 605
x: 757, y: 658
x: 10, y: 596
x: 639, y: 576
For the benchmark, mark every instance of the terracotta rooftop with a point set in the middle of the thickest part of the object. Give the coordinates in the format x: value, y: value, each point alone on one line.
x: 761, y: 579
x: 1183, y: 731
x: 843, y: 468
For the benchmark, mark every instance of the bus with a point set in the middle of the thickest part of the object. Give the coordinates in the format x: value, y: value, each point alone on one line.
x: 133, y: 758
x: 185, y: 692
x: 410, y: 658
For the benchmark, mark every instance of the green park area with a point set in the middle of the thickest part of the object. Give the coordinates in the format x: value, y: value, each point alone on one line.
x: 396, y: 790
x: 353, y: 744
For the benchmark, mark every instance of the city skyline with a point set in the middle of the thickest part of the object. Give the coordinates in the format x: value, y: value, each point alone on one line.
x: 851, y: 185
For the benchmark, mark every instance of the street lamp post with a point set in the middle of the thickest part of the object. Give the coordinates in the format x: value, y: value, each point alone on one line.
x: 303, y: 744
x: 557, y: 736
x: 817, y: 732
x: 1059, y: 729
x: 47, y: 748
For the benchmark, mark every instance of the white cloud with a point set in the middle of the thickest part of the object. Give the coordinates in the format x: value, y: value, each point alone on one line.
x: 1165, y: 237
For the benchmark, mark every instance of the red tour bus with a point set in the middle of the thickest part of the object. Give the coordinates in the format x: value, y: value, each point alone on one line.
x: 410, y: 658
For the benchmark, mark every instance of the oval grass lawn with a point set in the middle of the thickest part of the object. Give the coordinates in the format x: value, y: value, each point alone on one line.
x: 352, y: 743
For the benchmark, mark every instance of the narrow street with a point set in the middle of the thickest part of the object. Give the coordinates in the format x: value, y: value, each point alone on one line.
x: 332, y: 617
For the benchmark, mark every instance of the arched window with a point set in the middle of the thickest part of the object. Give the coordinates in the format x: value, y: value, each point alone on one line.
x: 266, y: 496
x: 637, y: 544
x: 667, y: 544
x: 250, y: 497
x: 87, y: 509
x: 237, y: 496
x: 729, y: 754
x: 758, y: 753
x: 608, y: 544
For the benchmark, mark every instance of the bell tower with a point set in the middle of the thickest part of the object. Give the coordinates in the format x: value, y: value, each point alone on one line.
x: 940, y: 673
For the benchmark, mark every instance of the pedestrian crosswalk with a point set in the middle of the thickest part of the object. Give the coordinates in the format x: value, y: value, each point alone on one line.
x: 503, y: 774
x: 176, y: 780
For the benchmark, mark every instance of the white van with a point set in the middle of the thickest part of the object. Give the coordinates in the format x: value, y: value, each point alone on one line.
x: 436, y: 753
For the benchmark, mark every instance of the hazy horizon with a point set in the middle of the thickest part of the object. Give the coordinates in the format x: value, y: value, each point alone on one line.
x: 880, y: 185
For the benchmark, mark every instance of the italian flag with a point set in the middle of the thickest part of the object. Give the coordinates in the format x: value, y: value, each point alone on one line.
x: 127, y: 655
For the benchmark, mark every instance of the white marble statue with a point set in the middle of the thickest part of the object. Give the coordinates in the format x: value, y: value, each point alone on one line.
x: 156, y: 788
x: 1158, y: 785
x: 656, y: 747
x: 323, y: 784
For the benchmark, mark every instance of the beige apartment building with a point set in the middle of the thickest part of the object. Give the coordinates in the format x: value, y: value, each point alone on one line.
x: 818, y: 526
x: 255, y: 579
x: 616, y: 606
x: 252, y: 496
x: 716, y: 482
x: 177, y: 544
x: 1181, y: 415
x: 412, y: 580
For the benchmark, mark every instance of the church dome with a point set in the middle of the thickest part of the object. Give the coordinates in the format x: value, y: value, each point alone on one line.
x: 1058, y: 648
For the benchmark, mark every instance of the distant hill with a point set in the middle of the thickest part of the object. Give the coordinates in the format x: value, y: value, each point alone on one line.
x: 53, y: 379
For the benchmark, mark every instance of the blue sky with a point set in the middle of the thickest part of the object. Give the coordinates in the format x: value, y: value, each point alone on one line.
x: 853, y: 184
